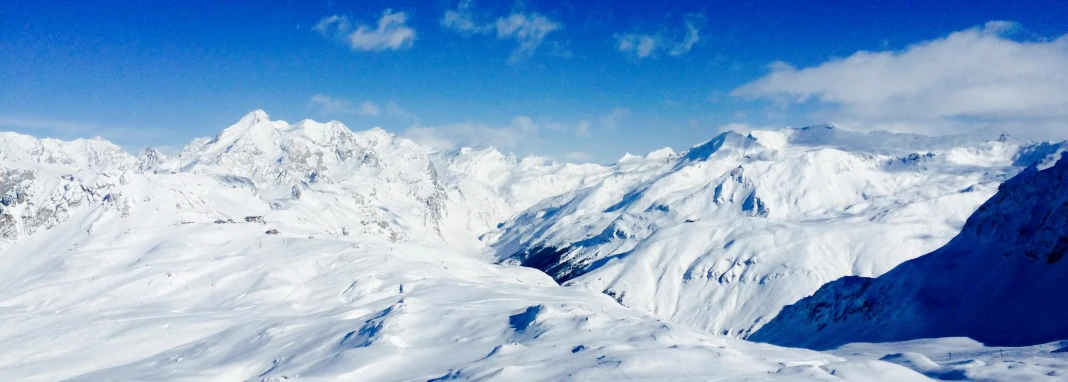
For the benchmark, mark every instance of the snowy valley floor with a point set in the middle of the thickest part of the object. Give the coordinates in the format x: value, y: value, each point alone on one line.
x: 205, y: 301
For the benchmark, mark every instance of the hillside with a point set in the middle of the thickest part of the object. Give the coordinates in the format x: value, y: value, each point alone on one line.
x: 995, y: 282
x: 721, y: 236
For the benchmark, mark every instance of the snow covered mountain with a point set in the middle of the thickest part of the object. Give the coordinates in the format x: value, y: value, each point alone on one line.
x: 279, y: 251
x: 324, y: 174
x: 42, y: 182
x: 994, y: 282
x: 723, y: 235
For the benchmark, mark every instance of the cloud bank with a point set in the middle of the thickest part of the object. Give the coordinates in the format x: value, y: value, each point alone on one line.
x: 972, y: 78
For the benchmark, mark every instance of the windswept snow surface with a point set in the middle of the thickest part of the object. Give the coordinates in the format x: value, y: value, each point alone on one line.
x: 277, y: 252
x: 720, y: 237
x: 956, y: 359
x: 998, y: 282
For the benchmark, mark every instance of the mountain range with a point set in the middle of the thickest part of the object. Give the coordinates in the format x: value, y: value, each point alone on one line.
x: 275, y: 251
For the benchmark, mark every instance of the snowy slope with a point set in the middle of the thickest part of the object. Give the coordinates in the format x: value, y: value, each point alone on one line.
x: 721, y: 236
x: 964, y: 359
x: 156, y: 282
x: 996, y: 282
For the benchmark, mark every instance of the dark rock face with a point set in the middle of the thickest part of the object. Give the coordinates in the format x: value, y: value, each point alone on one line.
x: 996, y: 282
x: 552, y: 261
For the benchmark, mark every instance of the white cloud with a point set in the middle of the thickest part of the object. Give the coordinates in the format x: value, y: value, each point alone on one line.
x: 520, y: 131
x: 614, y: 117
x: 577, y: 156
x: 132, y: 139
x: 582, y: 130
x: 368, y: 108
x: 330, y: 105
x: 744, y: 128
x: 462, y: 19
x: 556, y: 126
x: 972, y: 78
x: 339, y: 106
x: 475, y: 134
x: 390, y: 33
x: 395, y: 111
x: 639, y: 45
x: 688, y: 41
x: 529, y: 30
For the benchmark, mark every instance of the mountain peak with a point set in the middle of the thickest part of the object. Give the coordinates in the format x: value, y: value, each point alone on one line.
x: 150, y: 160
x: 663, y: 153
x: 258, y: 114
x: 728, y: 139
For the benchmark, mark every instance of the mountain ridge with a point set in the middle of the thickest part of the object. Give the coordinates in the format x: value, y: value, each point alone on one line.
x: 989, y: 283
x: 691, y: 240
x: 590, y: 226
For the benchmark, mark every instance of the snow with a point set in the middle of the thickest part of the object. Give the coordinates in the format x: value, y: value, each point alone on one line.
x: 150, y: 287
x: 278, y: 251
x: 723, y: 235
x: 992, y: 282
x: 965, y: 359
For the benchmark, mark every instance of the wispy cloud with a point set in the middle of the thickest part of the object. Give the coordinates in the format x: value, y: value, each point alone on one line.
x: 336, y: 106
x: 476, y: 134
x: 612, y: 119
x: 328, y: 105
x: 582, y: 129
x: 646, y: 45
x: 585, y: 128
x: 577, y: 156
x: 390, y: 33
x: 744, y: 128
x: 132, y: 139
x: 968, y: 79
x: 395, y: 111
x: 462, y: 19
x: 369, y: 108
x: 529, y: 30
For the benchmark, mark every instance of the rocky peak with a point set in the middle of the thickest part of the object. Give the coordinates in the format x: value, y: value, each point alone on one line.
x: 150, y: 160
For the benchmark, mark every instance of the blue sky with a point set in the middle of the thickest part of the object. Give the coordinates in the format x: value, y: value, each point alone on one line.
x: 576, y: 80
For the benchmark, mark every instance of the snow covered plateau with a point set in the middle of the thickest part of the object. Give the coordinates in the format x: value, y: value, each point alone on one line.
x: 307, y: 251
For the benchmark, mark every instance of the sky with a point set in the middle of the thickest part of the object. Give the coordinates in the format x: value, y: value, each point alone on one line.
x: 574, y: 80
